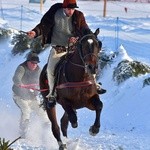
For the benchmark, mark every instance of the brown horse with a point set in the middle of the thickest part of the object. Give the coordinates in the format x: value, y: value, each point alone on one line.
x: 75, y: 86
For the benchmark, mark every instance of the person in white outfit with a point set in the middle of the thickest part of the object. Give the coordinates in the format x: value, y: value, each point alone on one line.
x: 27, y: 76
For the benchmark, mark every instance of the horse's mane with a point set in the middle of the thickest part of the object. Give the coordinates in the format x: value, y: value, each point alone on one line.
x: 86, y: 31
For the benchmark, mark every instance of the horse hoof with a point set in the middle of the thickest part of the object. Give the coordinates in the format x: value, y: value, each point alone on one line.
x: 93, y: 130
x: 63, y: 147
x: 74, y: 125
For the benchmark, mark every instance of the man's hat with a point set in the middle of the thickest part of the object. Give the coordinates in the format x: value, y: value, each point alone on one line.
x: 70, y: 4
x: 33, y: 57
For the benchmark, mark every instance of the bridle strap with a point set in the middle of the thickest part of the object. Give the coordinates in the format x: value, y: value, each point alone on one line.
x: 79, y: 43
x: 87, y: 35
x: 80, y: 49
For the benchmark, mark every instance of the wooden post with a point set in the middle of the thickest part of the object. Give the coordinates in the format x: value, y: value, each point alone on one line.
x: 41, y: 5
x: 104, y: 11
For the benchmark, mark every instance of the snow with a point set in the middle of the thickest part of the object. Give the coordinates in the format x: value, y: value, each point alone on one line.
x: 125, y: 122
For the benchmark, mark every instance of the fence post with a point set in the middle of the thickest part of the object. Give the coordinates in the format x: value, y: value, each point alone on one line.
x: 21, y: 18
x: 2, y: 15
x: 117, y: 33
x: 104, y: 10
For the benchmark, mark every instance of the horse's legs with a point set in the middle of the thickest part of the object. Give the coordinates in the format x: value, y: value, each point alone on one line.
x: 64, y: 124
x: 73, y: 118
x: 71, y: 114
x: 98, y: 105
x: 51, y: 112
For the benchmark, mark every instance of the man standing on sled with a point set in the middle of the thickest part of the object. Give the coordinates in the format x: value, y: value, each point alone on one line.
x: 61, y: 26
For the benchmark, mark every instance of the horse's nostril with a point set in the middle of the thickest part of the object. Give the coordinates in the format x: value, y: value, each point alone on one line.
x: 92, y: 69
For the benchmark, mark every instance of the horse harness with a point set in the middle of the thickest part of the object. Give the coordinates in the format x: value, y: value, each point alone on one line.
x: 63, y: 61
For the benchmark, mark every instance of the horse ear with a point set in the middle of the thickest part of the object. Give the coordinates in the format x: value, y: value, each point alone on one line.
x: 97, y: 31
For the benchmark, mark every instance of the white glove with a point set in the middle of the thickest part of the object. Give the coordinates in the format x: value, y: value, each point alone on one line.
x: 31, y: 90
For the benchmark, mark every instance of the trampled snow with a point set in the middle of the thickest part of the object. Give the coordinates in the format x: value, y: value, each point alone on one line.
x: 125, y: 123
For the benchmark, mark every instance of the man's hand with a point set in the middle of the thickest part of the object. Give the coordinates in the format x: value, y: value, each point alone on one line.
x: 73, y: 40
x: 31, y: 34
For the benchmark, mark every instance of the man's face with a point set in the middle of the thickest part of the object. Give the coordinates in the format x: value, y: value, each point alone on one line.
x: 32, y: 65
x: 69, y: 11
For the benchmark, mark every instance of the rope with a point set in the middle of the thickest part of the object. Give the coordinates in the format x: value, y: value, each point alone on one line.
x: 65, y: 85
x: 32, y: 87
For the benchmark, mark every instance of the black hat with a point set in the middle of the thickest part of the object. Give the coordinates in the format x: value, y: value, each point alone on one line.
x: 33, y: 57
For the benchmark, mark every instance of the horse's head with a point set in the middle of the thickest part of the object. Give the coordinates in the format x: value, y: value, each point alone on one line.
x: 89, y: 47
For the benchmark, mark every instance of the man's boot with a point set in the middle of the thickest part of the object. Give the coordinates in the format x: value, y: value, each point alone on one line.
x: 99, y: 89
x: 51, y: 101
x: 51, y: 98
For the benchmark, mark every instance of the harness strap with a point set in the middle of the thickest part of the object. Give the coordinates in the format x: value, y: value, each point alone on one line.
x: 74, y: 84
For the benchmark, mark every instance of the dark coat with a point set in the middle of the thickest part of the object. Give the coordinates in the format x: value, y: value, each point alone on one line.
x: 24, y: 76
x: 45, y: 27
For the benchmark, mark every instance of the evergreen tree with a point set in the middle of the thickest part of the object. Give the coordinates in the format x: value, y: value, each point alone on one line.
x: 21, y: 43
x: 4, y: 34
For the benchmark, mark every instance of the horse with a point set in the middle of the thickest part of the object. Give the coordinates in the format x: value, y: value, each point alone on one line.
x: 75, y: 87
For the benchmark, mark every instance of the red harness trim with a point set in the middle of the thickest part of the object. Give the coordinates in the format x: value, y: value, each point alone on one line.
x: 61, y: 86
x: 28, y: 85
x: 74, y: 84
x: 32, y: 86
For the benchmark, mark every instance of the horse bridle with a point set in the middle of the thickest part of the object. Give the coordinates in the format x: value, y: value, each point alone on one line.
x: 79, y: 48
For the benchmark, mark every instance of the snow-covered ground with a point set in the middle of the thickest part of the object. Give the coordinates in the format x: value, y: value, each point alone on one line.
x: 125, y: 123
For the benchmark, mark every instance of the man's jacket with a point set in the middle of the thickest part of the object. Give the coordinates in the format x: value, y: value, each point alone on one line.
x: 24, y: 76
x: 45, y: 27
